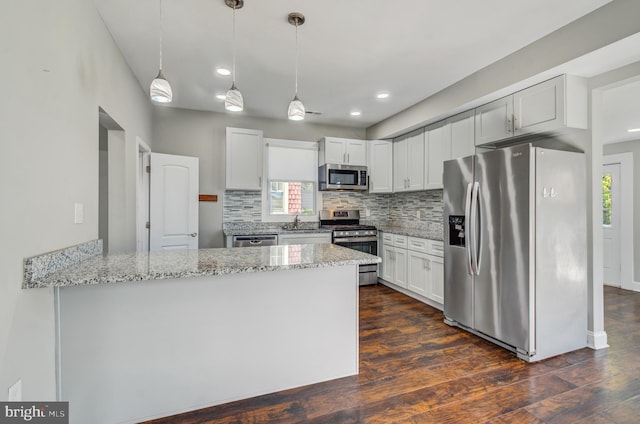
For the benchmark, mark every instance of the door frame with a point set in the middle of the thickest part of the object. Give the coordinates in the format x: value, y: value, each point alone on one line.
x: 625, y: 160
x: 142, y: 195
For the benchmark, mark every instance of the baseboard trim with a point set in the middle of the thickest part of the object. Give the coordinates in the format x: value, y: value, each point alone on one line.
x: 597, y: 340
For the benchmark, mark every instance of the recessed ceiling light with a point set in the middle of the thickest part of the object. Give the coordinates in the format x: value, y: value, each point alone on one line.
x: 356, y: 113
x: 223, y: 71
x: 221, y: 96
x: 634, y: 130
x: 382, y: 95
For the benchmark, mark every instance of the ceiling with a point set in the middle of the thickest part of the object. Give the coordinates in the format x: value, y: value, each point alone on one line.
x: 349, y: 50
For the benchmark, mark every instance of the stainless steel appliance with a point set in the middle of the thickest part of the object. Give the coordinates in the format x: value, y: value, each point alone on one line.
x: 515, y: 250
x: 255, y: 240
x: 342, y: 177
x: 347, y: 232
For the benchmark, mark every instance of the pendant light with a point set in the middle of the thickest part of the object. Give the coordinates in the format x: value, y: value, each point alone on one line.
x: 296, y: 108
x: 160, y: 89
x: 233, y: 101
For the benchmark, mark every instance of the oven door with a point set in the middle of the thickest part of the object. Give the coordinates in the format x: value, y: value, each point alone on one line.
x: 364, y: 244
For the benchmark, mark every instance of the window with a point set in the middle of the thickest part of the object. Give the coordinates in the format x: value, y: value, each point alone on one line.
x: 606, y: 200
x: 292, y: 198
x: 291, y: 173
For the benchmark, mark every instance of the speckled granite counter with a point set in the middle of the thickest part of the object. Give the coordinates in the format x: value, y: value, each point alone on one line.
x: 433, y: 232
x: 114, y: 268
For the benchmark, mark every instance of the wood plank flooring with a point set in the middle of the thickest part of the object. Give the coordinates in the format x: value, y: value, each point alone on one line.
x: 416, y: 369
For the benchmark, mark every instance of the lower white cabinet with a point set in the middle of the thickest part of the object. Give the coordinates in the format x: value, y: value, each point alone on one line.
x: 414, y: 264
x: 304, y: 238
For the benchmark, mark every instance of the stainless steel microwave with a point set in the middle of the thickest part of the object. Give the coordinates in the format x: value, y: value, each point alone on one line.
x: 342, y: 177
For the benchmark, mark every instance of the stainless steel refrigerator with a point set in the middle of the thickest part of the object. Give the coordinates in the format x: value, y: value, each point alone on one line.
x: 515, y: 249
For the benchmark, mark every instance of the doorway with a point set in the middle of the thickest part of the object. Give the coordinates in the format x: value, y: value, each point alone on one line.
x: 617, y: 221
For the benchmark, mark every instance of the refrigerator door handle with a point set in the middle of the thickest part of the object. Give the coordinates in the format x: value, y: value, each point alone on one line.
x: 469, y: 227
x: 475, y: 232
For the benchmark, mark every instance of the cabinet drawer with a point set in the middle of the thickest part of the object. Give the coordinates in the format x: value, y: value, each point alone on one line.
x: 400, y: 241
x: 418, y: 244
x: 387, y: 238
x: 435, y: 248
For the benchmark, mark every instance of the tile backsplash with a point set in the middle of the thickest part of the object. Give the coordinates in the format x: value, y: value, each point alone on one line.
x: 397, y: 208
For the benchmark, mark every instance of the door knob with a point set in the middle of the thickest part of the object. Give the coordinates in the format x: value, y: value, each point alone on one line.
x: 194, y: 234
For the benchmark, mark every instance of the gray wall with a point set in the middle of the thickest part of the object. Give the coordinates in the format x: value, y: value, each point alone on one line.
x: 60, y: 65
x: 202, y: 134
x: 632, y: 147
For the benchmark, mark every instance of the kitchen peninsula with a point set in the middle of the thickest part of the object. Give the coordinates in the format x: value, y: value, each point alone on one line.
x: 147, y: 335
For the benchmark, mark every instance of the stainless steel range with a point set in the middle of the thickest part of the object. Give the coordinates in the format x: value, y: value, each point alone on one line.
x: 347, y: 232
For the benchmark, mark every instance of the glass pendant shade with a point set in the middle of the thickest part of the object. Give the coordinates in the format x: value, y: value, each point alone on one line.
x: 234, y: 102
x: 296, y: 110
x: 160, y: 90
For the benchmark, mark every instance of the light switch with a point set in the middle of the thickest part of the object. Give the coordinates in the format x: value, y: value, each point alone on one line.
x: 78, y: 216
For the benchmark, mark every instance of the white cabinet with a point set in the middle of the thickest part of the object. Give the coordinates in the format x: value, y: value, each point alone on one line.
x: 342, y: 151
x: 394, y: 259
x: 304, y: 238
x: 380, y: 166
x: 462, y: 135
x: 414, y: 264
x: 408, y: 162
x: 244, y: 150
x: 494, y: 121
x: 437, y: 149
x: 546, y: 107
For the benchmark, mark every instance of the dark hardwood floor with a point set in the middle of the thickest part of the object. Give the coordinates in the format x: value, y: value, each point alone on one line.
x: 416, y: 369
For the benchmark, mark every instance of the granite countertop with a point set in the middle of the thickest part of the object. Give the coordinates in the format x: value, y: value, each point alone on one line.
x: 428, y: 232
x: 112, y: 268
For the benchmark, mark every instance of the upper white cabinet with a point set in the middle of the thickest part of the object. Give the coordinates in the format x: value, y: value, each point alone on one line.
x: 244, y: 150
x: 494, y: 121
x: 462, y: 135
x: 380, y: 166
x: 545, y: 107
x: 408, y: 162
x: 342, y: 151
x: 437, y: 149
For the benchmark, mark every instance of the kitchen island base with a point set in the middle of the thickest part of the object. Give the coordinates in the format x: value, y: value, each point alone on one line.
x: 135, y: 351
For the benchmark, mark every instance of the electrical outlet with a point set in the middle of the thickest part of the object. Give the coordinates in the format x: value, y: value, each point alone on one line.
x: 78, y: 213
x: 418, y: 214
x: 367, y: 212
x: 15, y: 392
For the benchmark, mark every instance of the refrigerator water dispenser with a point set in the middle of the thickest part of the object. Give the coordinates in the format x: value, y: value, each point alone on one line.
x: 456, y: 230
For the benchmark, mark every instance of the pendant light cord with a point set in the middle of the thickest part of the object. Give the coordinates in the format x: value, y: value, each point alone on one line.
x: 233, y: 64
x: 296, y: 59
x: 161, y: 30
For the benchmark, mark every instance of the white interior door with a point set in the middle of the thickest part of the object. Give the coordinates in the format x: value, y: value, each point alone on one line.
x: 173, y: 202
x: 611, y: 224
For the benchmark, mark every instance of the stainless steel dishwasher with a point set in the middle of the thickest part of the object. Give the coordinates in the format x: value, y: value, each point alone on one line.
x: 255, y: 240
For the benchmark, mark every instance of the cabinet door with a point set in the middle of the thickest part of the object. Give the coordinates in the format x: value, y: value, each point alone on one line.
x: 437, y: 150
x: 400, y: 165
x: 380, y: 165
x: 462, y: 135
x: 244, y: 159
x: 388, y: 268
x: 539, y: 108
x: 400, y: 264
x: 417, y: 272
x: 494, y: 121
x: 435, y: 278
x: 284, y: 239
x: 415, y: 161
x: 356, y: 152
x: 334, y: 150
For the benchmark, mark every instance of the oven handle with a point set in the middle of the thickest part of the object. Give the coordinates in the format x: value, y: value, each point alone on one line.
x: 354, y: 240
